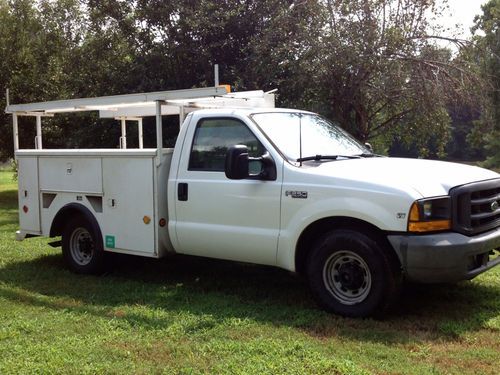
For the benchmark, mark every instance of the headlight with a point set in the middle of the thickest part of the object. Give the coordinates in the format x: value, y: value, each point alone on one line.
x: 429, y: 215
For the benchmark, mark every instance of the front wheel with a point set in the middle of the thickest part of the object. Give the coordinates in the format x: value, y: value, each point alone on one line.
x: 350, y: 274
x: 82, y: 247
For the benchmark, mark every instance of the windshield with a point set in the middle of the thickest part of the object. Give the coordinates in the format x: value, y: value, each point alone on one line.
x: 319, y: 136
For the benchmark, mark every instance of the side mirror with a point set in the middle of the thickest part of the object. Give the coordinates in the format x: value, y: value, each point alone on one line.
x: 236, y: 167
x: 369, y: 147
x: 268, y: 168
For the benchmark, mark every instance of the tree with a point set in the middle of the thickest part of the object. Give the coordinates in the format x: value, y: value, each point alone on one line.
x: 35, y: 44
x: 371, y: 65
x: 488, y: 52
x: 383, y: 75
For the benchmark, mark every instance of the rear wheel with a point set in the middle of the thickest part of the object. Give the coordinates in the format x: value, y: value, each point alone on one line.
x: 350, y: 274
x: 82, y: 246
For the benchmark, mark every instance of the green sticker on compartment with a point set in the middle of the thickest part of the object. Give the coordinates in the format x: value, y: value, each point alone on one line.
x: 110, y: 241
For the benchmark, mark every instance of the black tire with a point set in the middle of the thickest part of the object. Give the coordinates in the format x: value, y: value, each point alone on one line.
x: 82, y: 246
x: 350, y: 274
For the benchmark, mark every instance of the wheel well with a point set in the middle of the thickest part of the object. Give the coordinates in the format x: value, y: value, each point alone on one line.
x: 311, y: 234
x: 65, y: 214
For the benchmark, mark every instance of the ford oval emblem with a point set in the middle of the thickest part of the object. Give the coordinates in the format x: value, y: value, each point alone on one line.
x: 494, y: 206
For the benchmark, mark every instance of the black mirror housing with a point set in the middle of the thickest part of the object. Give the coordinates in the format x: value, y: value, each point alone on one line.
x: 269, y: 168
x: 236, y: 166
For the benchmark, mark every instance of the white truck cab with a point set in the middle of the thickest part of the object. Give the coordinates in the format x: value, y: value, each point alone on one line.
x: 252, y: 183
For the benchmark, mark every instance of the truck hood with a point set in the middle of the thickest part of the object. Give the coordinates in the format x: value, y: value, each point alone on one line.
x: 429, y: 178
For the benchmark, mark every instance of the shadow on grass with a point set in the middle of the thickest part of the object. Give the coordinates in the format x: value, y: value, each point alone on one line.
x: 8, y: 199
x: 8, y: 207
x: 224, y: 290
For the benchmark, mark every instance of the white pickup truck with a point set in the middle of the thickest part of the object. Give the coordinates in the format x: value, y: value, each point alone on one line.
x: 252, y: 183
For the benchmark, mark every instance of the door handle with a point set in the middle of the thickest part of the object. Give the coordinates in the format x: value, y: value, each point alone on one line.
x: 182, y: 191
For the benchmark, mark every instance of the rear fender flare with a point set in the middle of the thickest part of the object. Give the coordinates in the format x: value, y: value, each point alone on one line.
x: 70, y: 210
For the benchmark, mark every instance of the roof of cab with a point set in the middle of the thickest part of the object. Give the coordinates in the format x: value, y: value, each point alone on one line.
x: 247, y: 111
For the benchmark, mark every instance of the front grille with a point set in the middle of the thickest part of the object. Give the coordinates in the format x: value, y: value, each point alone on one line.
x: 475, y: 207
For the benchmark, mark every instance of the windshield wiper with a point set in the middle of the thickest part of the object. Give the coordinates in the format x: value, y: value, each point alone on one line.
x: 368, y: 155
x: 327, y: 157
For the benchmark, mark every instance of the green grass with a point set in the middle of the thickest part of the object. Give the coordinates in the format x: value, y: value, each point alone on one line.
x: 188, y: 315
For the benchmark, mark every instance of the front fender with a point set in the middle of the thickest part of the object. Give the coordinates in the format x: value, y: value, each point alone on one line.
x: 387, y: 212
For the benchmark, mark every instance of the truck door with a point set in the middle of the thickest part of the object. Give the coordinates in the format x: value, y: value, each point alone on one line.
x: 222, y: 218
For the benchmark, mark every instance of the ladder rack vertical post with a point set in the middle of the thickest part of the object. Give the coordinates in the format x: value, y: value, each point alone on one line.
x: 159, y: 133
x: 38, y: 138
x: 139, y: 128
x: 15, y: 131
x: 216, y: 75
x: 123, y: 139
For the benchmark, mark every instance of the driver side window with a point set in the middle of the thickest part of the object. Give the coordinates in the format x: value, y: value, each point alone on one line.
x: 212, y: 139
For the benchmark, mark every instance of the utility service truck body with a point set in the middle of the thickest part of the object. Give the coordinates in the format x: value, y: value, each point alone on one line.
x: 252, y: 183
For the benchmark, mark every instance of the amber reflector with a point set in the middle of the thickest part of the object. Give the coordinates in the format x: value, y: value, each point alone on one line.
x: 146, y: 219
x: 227, y: 87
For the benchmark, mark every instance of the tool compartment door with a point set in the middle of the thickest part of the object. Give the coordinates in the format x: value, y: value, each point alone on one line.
x: 71, y: 174
x: 128, y: 204
x: 29, y: 195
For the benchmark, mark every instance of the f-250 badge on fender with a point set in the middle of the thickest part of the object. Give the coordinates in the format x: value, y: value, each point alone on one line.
x: 296, y: 194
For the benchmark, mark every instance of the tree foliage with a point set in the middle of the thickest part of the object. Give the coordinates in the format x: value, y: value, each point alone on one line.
x: 385, y: 77
x: 488, y: 56
x: 372, y: 65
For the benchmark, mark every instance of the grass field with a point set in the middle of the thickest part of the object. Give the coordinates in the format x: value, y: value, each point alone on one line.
x: 188, y: 315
